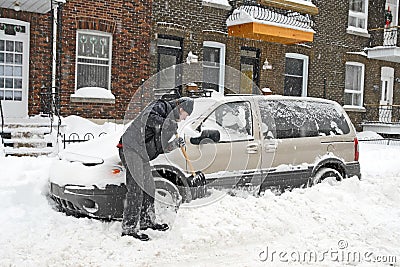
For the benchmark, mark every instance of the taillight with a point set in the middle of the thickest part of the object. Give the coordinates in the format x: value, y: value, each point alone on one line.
x: 356, y: 149
x: 116, y: 171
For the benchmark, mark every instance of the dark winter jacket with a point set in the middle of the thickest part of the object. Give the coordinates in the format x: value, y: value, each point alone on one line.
x: 151, y: 130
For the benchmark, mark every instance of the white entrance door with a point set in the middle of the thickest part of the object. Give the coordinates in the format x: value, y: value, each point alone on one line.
x: 14, y: 67
x: 385, y: 108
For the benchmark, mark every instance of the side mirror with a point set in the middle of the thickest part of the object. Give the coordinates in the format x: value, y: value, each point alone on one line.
x: 206, y: 137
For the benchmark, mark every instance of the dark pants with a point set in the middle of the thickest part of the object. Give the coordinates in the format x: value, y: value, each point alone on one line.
x: 139, y: 203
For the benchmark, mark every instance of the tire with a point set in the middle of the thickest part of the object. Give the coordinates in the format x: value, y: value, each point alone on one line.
x: 167, y: 193
x: 323, y: 174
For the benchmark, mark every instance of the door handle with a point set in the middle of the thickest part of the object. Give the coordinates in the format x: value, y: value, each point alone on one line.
x: 252, y: 148
x: 270, y: 147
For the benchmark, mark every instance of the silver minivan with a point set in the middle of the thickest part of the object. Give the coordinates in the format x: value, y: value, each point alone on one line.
x: 269, y: 141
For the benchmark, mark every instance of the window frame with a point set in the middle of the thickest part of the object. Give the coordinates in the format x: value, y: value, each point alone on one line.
x: 358, y: 15
x: 221, y: 68
x: 98, y: 33
x: 305, y: 59
x: 361, y: 91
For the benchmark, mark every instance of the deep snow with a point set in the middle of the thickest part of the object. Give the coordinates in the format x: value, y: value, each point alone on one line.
x: 239, y: 230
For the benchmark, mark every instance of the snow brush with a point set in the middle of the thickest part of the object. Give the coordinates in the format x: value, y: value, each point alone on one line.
x: 197, y: 181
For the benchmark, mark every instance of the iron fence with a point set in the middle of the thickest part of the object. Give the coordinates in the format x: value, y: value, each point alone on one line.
x: 76, y: 138
x: 382, y: 113
x: 383, y: 141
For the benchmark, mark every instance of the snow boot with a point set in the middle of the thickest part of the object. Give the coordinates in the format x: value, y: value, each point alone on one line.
x: 141, y: 237
x: 156, y: 226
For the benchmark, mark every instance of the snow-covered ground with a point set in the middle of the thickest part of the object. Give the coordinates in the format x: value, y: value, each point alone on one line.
x: 353, y: 222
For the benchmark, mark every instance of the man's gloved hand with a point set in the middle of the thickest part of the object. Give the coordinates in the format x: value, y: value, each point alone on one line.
x: 180, y: 142
x: 174, y: 144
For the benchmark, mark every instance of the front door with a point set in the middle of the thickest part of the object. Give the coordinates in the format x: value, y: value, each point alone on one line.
x: 14, y: 67
x: 169, y: 56
x: 385, y: 104
x: 250, y: 68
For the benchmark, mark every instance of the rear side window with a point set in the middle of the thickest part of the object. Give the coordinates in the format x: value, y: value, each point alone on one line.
x: 294, y: 118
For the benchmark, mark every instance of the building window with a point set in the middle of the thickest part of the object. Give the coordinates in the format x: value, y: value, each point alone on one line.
x: 358, y: 15
x: 296, y: 75
x: 354, y: 84
x: 93, y: 59
x: 250, y: 68
x: 169, y: 51
x: 213, y: 66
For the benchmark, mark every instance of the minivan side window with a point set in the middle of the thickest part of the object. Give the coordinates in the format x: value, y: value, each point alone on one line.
x: 294, y: 118
x: 233, y: 121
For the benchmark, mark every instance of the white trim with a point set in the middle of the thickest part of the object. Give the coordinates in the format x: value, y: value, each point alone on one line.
x: 358, y: 15
x: 10, y: 106
x: 222, y: 48
x: 361, y: 91
x: 305, y: 70
x: 99, y: 33
x: 222, y: 4
x: 358, y: 31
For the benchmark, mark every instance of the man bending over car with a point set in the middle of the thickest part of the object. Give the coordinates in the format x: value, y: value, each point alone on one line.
x: 147, y: 137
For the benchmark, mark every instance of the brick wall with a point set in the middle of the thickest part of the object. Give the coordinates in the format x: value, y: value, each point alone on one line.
x: 129, y: 23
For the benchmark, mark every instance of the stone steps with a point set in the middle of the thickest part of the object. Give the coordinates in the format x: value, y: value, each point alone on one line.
x: 30, y: 137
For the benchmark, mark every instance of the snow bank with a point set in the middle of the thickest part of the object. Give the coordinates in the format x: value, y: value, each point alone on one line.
x: 368, y: 135
x: 236, y: 229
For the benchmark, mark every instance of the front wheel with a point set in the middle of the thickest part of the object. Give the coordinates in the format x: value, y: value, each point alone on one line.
x: 326, y: 174
x: 167, y: 194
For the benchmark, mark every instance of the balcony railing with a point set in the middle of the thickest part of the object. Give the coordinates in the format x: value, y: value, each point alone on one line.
x: 384, y: 114
x: 272, y: 15
x: 384, y: 36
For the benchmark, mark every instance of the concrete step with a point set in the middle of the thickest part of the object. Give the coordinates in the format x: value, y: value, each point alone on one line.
x: 27, y: 142
x: 28, y: 151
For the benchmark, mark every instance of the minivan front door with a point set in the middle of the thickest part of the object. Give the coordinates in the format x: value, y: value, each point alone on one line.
x: 238, y: 152
x: 14, y: 67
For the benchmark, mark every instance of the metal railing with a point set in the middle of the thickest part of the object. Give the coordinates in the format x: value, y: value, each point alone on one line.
x: 76, y: 138
x: 384, y: 36
x: 389, y: 114
x: 275, y: 15
x: 50, y: 106
x: 384, y: 141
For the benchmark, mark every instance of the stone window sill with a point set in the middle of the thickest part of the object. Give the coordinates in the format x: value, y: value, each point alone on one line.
x: 80, y: 99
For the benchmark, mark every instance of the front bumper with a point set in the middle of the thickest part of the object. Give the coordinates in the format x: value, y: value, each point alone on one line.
x: 108, y: 203
x: 93, y: 202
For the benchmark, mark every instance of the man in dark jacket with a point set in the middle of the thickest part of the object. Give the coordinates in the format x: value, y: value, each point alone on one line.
x: 147, y: 137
